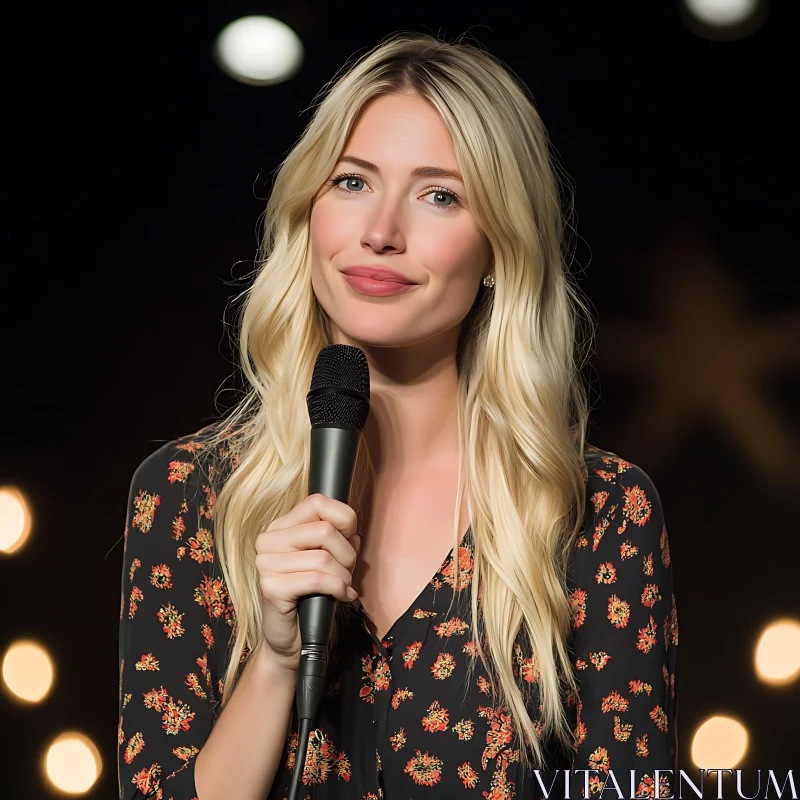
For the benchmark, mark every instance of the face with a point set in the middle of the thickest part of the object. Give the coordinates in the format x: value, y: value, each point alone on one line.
x: 386, y: 216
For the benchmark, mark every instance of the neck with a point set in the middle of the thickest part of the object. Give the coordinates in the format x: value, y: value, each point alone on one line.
x: 413, y: 418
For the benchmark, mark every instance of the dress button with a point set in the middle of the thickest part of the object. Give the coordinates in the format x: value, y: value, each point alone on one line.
x: 374, y: 722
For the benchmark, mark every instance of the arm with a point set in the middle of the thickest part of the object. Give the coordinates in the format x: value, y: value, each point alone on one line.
x: 626, y: 634
x: 170, y: 644
x: 243, y: 753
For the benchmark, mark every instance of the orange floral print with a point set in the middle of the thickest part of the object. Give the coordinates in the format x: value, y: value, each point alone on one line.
x: 147, y: 662
x: 180, y: 471
x: 637, y: 507
x: 499, y: 734
x: 599, y: 659
x: 376, y: 676
x: 606, y: 573
x: 468, y: 775
x: 647, y: 637
x: 501, y: 787
x: 622, y: 732
x: 465, y: 728
x: 145, y: 505
x: 619, y: 611
x: 598, y: 534
x: 436, y: 719
x: 398, y: 739
x: 637, y: 687
x: 614, y: 702
x: 443, y: 666
x: 470, y: 649
x: 577, y: 602
x: 135, y: 564
x: 465, y: 566
x: 411, y: 654
x: 212, y: 595
x: 599, y: 759
x: 201, y: 546
x: 172, y: 621
x: 161, y: 576
x: 400, y: 695
x: 453, y: 627
x: 134, y: 747
x: 627, y: 550
x: 650, y: 595
x: 136, y: 597
x: 424, y: 769
x: 660, y: 718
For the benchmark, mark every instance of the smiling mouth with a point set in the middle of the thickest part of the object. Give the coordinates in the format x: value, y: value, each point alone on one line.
x: 377, y: 287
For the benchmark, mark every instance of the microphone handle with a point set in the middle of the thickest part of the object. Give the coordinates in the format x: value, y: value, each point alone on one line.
x: 333, y: 458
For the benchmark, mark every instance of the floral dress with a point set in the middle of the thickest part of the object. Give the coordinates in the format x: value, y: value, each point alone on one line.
x: 405, y: 716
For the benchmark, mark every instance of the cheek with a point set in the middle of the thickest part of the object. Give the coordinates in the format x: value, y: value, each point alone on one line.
x: 453, y: 251
x: 329, y: 233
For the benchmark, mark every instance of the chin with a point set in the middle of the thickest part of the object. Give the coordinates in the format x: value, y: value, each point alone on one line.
x: 377, y: 335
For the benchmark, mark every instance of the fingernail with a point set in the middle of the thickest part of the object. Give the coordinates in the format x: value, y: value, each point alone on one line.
x: 352, y: 593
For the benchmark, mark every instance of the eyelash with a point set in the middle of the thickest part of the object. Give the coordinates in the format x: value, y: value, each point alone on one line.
x: 441, y: 189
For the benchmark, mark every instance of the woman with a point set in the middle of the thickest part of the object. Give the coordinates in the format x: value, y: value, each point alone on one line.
x: 515, y: 616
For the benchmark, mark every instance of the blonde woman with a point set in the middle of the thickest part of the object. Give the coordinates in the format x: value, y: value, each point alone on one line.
x: 506, y: 612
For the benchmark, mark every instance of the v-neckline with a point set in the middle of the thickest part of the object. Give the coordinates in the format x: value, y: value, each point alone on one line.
x: 392, y: 633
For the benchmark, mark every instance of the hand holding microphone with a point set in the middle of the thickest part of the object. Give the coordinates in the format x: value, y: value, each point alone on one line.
x: 310, y: 550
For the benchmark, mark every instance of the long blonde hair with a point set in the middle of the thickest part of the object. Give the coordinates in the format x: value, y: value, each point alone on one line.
x: 523, y: 409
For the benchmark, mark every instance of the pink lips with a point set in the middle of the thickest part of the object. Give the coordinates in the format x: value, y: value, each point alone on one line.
x: 376, y: 272
x: 376, y: 280
x: 377, y: 288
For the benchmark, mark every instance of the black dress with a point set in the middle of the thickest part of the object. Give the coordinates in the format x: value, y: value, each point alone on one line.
x: 397, y: 721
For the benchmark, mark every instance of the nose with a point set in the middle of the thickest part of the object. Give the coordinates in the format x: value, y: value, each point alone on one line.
x: 384, y: 231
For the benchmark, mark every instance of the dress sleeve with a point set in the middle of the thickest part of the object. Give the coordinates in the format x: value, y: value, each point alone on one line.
x: 625, y: 637
x: 170, y: 613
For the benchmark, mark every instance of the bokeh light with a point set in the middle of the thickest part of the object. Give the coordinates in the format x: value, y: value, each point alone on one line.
x: 258, y: 50
x: 719, y: 743
x: 724, y: 20
x: 722, y: 12
x: 15, y: 519
x: 72, y: 763
x: 28, y: 671
x: 777, y: 655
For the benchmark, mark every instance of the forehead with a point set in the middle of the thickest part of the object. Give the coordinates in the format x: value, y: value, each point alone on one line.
x: 402, y: 132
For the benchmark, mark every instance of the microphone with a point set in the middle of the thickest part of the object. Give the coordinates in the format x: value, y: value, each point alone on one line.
x: 338, y: 406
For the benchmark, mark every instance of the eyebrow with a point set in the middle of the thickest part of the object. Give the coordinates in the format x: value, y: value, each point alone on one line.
x: 423, y: 172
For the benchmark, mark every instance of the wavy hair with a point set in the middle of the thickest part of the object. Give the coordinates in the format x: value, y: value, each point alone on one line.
x: 523, y: 409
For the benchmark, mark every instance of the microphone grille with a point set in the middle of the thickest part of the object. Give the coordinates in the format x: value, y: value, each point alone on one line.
x: 339, y: 394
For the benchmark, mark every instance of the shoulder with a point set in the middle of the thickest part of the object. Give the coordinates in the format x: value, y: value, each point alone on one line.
x: 613, y: 479
x: 206, y: 456
x: 623, y: 514
x: 179, y: 482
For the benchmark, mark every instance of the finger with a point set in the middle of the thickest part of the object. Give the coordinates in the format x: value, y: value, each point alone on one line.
x: 291, y: 586
x: 319, y: 507
x: 307, y: 561
x: 309, y: 536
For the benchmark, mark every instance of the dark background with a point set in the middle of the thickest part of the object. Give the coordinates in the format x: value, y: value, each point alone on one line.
x: 137, y: 176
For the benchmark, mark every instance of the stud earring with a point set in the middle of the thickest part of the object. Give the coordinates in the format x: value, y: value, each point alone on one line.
x: 488, y: 280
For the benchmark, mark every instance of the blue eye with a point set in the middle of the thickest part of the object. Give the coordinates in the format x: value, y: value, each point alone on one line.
x: 438, y: 190
x: 350, y: 179
x: 443, y: 193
